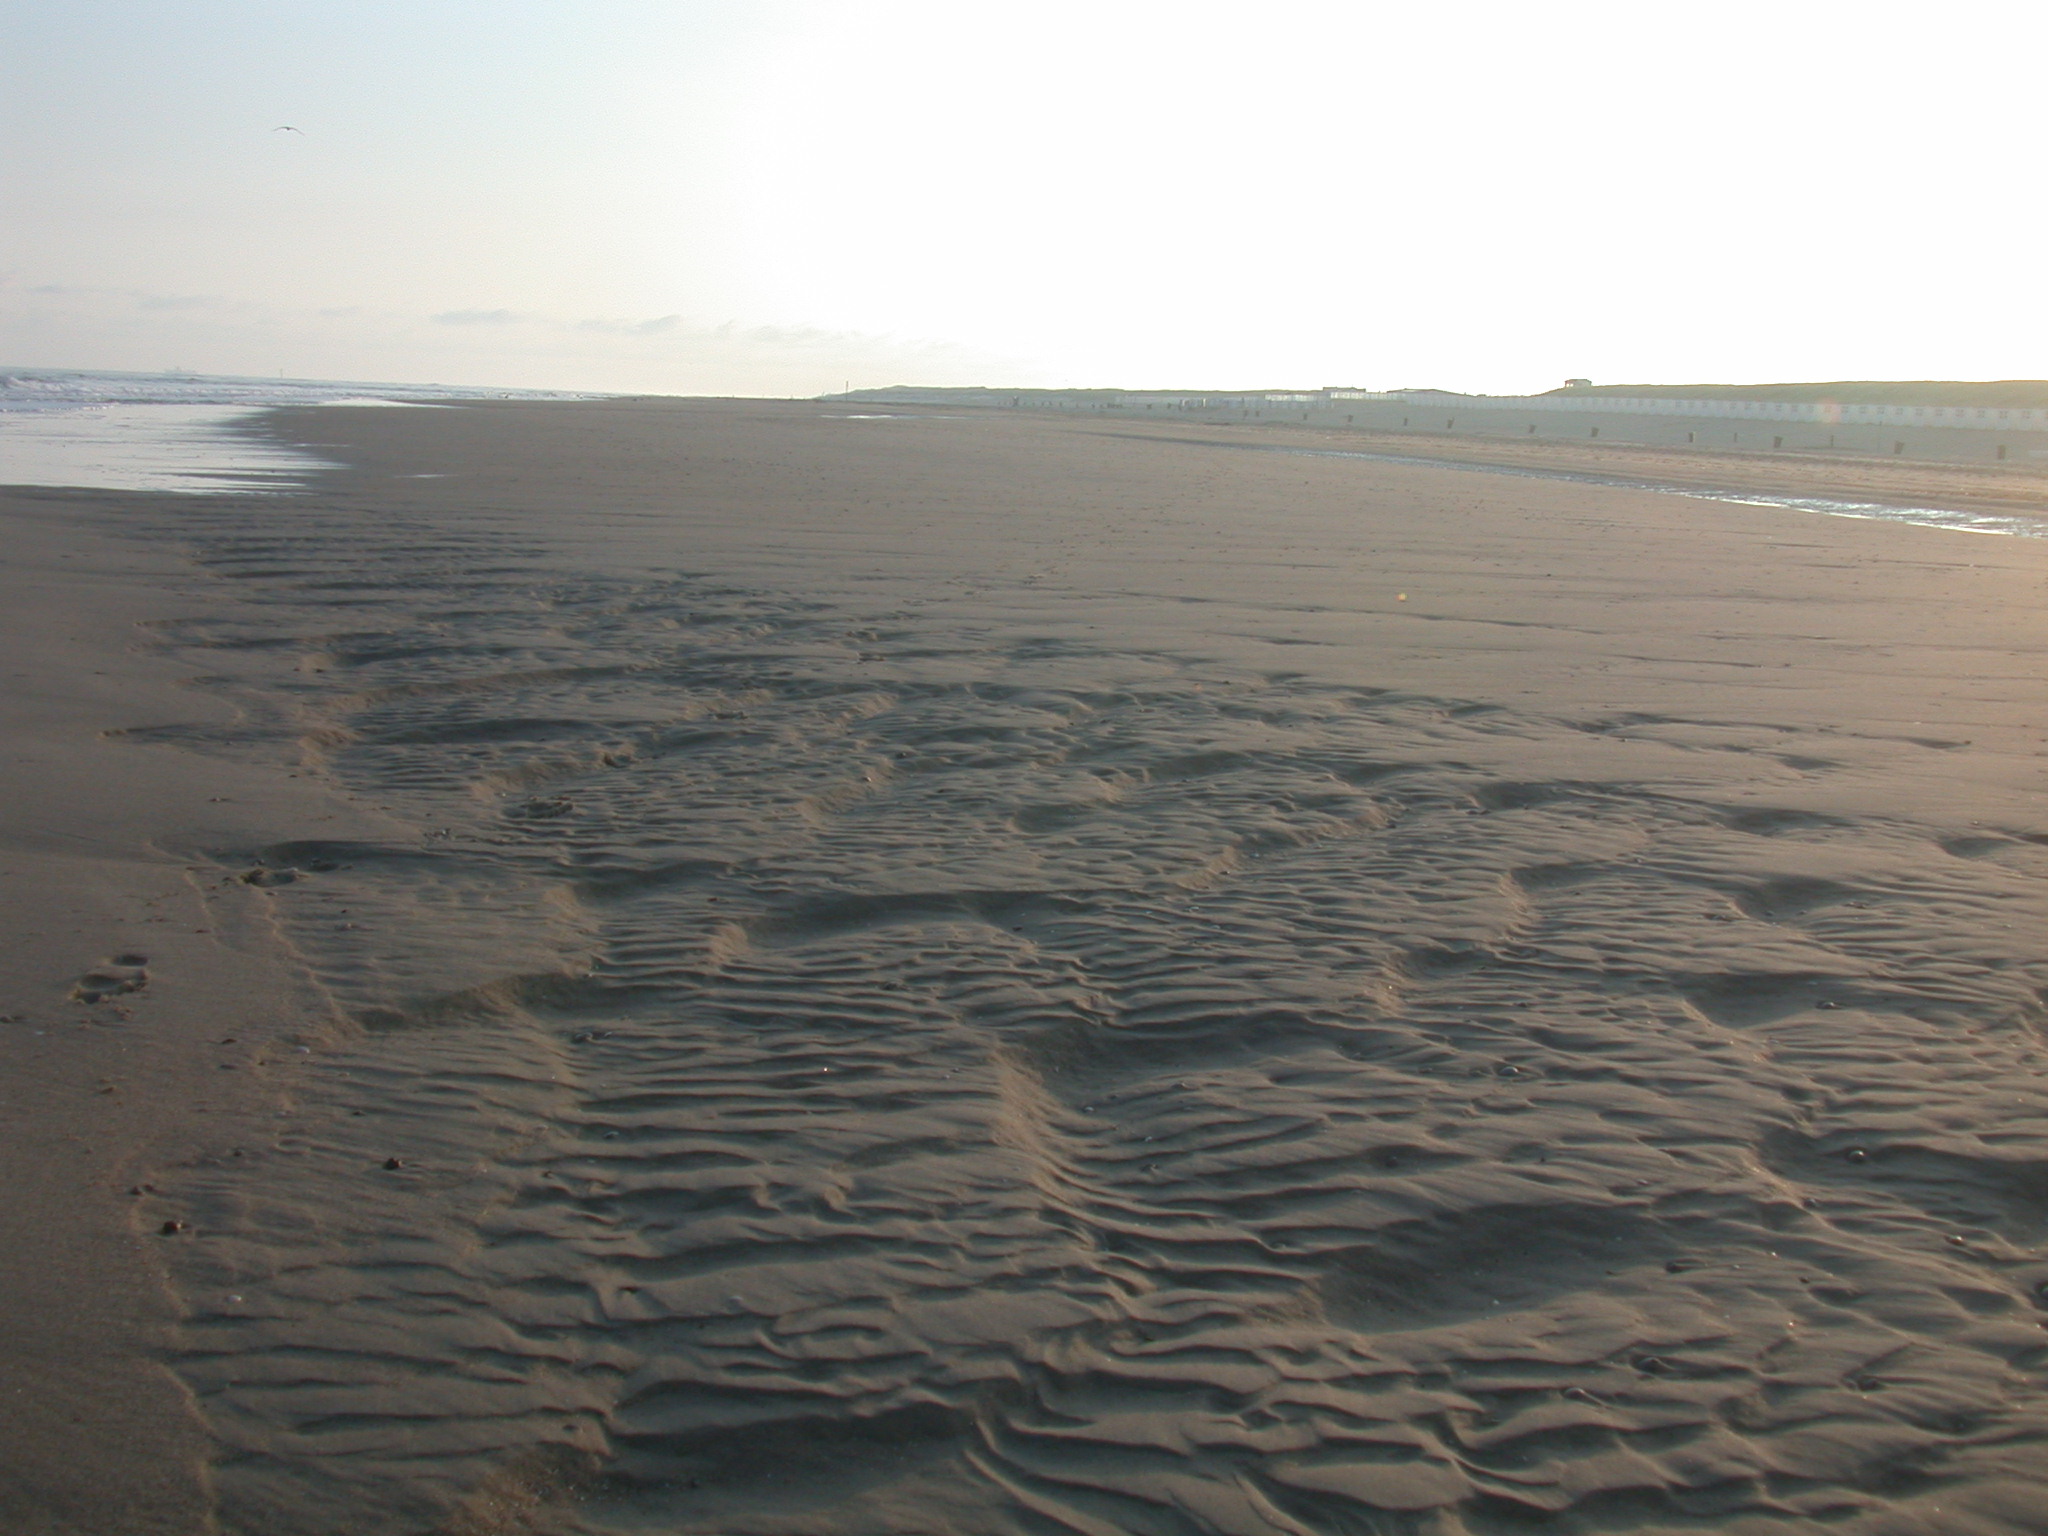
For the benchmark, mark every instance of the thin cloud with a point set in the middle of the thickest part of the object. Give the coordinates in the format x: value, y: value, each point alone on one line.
x: 654, y: 327
x: 477, y: 317
x: 112, y: 327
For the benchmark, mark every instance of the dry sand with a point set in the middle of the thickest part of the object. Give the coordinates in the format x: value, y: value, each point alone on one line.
x: 972, y: 975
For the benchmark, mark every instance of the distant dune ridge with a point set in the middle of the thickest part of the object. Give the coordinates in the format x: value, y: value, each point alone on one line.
x: 870, y: 970
x: 2025, y: 393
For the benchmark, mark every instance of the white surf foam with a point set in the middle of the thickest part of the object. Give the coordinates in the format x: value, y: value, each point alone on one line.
x: 178, y: 432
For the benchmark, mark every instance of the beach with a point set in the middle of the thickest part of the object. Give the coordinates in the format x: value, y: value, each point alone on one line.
x: 777, y: 968
x: 2019, y: 488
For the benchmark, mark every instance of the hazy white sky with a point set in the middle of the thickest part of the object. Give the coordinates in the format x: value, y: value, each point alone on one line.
x: 778, y: 196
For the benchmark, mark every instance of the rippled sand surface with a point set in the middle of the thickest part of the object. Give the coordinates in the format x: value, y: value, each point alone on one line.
x: 964, y: 977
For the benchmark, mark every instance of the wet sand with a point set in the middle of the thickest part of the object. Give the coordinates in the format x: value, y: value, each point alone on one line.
x: 2017, y: 487
x: 997, y: 975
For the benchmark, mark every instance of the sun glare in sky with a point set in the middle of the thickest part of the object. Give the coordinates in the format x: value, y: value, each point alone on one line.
x: 780, y: 197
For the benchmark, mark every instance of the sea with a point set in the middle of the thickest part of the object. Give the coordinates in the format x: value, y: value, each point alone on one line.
x: 179, y: 431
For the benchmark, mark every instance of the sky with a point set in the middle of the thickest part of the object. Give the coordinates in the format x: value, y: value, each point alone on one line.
x: 786, y: 197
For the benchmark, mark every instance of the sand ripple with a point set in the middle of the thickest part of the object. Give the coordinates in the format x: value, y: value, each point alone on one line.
x: 826, y: 1071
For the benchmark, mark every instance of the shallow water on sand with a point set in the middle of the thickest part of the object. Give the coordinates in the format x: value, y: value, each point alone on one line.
x: 2013, y: 524
x: 831, y: 1069
x: 174, y: 431
x: 187, y: 448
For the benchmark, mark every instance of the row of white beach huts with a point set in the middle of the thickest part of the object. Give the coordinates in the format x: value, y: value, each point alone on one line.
x: 1821, y: 412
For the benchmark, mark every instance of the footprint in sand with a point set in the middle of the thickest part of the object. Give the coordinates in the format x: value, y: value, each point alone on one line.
x: 125, y: 972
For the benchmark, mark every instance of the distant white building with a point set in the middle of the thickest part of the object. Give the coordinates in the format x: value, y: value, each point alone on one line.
x: 1825, y: 412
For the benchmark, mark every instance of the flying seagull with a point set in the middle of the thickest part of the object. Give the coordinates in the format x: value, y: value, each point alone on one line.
x: 288, y: 128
